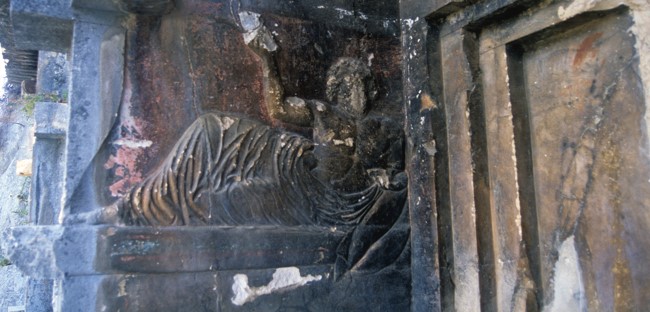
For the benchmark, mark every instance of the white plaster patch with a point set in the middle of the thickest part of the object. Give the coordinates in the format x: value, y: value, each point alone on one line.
x: 320, y: 107
x: 580, y: 6
x: 250, y: 21
x: 408, y: 23
x: 283, y: 279
x: 24, y: 168
x: 347, y: 142
x: 568, y: 288
x: 430, y: 148
x: 133, y: 143
x: 227, y: 122
x: 343, y: 13
x: 253, y: 27
x: 295, y: 101
x: 575, y: 8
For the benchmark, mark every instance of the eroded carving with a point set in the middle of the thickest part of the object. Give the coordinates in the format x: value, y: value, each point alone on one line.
x: 229, y: 170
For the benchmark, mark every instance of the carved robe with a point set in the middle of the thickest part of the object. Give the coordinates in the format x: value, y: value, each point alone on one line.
x: 230, y: 171
x: 233, y: 171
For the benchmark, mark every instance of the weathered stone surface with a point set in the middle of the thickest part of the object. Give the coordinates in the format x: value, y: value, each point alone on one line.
x: 95, y: 93
x: 50, y: 126
x: 146, y: 7
x: 12, y: 286
x: 88, y: 250
x: 163, y: 269
x: 504, y: 80
x: 39, y: 295
x: 50, y: 120
x: 590, y: 169
x: 421, y: 148
x: 526, y: 156
x: 29, y: 17
x: 179, y: 249
x: 39, y: 261
x: 53, y: 74
x: 15, y: 142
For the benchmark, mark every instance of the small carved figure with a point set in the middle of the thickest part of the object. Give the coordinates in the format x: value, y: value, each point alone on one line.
x: 353, y: 149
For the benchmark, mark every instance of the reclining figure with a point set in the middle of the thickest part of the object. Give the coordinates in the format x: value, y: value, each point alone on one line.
x: 228, y: 170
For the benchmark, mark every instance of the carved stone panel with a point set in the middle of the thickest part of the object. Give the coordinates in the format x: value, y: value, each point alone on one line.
x: 539, y: 117
x: 567, y: 158
x: 584, y: 105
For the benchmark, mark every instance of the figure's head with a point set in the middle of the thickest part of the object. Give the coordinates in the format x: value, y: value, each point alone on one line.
x: 350, y: 85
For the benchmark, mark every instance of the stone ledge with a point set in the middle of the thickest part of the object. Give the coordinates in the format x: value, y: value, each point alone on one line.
x: 56, y: 251
x: 51, y: 120
x: 42, y: 24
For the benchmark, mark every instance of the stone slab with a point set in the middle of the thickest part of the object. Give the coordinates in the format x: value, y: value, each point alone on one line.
x: 193, y: 249
x: 51, y: 120
x: 55, y: 251
x: 42, y: 24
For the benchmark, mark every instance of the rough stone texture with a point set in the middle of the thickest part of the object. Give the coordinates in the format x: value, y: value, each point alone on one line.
x: 421, y: 149
x: 527, y: 152
x: 128, y: 268
x: 527, y: 94
x: 12, y: 287
x: 15, y: 142
x: 595, y: 162
x: 47, y: 181
x: 53, y: 74
x: 48, y: 162
x: 95, y: 88
x: 30, y: 15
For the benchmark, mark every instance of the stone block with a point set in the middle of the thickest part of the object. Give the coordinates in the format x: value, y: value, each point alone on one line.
x: 53, y: 74
x: 55, y: 251
x: 177, y: 268
x: 194, y: 249
x: 96, y: 73
x: 42, y: 24
x: 51, y: 120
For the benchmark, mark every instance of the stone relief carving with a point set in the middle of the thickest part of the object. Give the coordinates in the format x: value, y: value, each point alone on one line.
x: 229, y: 170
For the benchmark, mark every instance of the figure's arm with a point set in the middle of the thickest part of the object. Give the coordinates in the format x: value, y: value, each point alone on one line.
x: 290, y: 109
x: 383, y: 156
x: 104, y: 215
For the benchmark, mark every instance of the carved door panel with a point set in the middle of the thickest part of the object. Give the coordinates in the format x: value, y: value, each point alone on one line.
x: 576, y: 104
x: 539, y: 116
